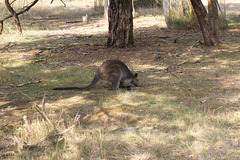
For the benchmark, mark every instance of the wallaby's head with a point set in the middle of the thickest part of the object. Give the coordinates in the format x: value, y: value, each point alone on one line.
x: 135, y: 80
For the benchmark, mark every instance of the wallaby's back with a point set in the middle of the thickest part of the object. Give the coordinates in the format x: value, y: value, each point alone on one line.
x: 113, y: 68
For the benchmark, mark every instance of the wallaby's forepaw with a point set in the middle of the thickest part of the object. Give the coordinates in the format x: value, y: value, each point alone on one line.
x: 126, y: 87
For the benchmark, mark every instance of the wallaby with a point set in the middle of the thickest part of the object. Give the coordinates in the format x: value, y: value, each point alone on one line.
x: 114, y: 71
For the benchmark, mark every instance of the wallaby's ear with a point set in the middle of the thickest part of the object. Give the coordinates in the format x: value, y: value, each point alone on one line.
x: 135, y: 75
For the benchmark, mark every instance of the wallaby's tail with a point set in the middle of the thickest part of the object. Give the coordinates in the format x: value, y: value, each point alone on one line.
x: 94, y: 81
x: 69, y: 88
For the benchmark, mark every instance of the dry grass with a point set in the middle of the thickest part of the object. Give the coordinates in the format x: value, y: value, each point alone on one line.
x: 190, y: 112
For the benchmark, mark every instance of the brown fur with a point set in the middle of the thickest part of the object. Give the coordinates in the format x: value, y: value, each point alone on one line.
x: 114, y: 71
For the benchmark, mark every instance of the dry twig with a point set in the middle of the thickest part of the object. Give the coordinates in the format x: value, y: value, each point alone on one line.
x: 123, y: 129
x: 24, y: 84
x: 77, y: 117
x: 5, y: 46
x: 20, y: 145
x: 44, y: 101
x: 64, y: 4
x: 43, y: 113
x: 23, y: 93
x: 197, y: 42
x: 27, y: 124
x: 40, y: 110
x: 9, y: 153
x: 9, y: 142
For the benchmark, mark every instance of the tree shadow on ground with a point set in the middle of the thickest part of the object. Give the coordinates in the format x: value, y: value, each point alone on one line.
x: 82, y: 49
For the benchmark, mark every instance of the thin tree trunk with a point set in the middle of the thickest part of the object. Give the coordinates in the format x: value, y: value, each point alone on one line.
x: 120, y: 20
x: 14, y: 15
x: 106, y: 3
x: 215, y: 19
x: 204, y: 21
x: 133, y: 12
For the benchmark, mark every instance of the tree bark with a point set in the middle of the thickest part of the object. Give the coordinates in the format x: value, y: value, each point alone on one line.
x: 204, y: 21
x: 106, y: 3
x: 120, y: 20
x: 14, y: 15
x: 215, y: 19
x: 1, y: 27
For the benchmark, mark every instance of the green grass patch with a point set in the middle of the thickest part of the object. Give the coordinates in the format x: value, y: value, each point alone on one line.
x: 182, y: 22
x: 233, y: 21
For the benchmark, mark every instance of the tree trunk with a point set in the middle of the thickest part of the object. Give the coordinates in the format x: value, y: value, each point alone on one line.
x: 120, y: 24
x: 204, y: 21
x: 215, y: 19
x: 14, y: 15
x: 133, y: 12
x: 106, y: 3
x: 166, y: 10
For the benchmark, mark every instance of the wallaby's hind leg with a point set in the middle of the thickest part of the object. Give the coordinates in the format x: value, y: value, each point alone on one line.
x: 116, y: 82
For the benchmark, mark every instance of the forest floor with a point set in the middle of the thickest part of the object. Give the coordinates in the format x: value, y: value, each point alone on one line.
x: 188, y: 105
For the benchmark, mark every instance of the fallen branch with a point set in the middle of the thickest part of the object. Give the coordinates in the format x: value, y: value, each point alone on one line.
x: 44, y: 115
x: 20, y: 85
x: 197, y: 42
x: 73, y: 21
x: 181, y: 63
x: 3, y: 93
x: 38, y: 143
x: 23, y: 93
x: 5, y: 46
x: 8, y: 143
x: 123, y: 129
x: 44, y: 101
x: 5, y: 146
x: 9, y: 153
x: 42, y: 110
x: 24, y: 84
x: 76, y: 119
